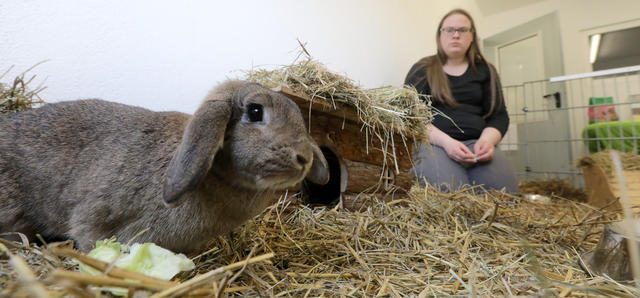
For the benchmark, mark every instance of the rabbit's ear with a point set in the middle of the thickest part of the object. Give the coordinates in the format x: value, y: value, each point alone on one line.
x: 319, y: 172
x: 201, y: 140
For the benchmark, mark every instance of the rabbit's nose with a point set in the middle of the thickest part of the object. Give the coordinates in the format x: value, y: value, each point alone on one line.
x: 302, y: 160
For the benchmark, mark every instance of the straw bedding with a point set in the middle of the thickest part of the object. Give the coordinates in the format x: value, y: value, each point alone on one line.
x: 425, y: 244
x: 553, y: 188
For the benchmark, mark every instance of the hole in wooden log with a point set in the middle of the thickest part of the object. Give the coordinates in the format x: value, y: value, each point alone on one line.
x: 328, y: 194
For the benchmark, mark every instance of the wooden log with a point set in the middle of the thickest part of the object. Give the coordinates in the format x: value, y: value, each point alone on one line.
x: 341, y: 128
x: 603, y: 189
x: 339, y: 110
x: 351, y: 177
x: 612, y: 255
x: 364, y: 163
x: 597, y: 187
x: 365, y: 177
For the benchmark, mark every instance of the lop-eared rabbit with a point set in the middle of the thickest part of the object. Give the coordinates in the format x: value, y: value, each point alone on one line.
x: 91, y: 169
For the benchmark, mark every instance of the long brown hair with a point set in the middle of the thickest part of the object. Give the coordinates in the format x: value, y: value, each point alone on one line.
x: 437, y: 78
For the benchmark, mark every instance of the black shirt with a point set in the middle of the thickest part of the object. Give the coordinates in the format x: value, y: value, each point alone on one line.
x: 472, y: 91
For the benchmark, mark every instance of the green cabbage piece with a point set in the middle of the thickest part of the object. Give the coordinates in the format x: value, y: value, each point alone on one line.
x: 146, y: 258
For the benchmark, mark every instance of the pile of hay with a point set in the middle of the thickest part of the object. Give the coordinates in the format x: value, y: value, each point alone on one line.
x: 629, y: 161
x: 427, y: 244
x: 397, y: 108
x: 19, y: 96
x: 383, y: 111
x: 553, y: 188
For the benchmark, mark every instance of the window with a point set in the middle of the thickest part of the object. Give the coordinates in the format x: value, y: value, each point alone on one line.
x: 615, y: 49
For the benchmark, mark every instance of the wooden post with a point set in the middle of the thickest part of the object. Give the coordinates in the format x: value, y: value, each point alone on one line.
x: 367, y: 167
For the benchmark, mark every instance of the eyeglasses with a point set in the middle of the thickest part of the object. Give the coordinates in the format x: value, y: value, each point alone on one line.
x: 450, y: 31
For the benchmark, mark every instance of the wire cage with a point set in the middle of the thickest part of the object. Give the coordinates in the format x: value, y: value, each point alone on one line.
x: 556, y: 122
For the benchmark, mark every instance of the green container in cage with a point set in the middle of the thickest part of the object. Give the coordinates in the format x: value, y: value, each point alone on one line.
x: 600, y: 100
x: 601, y: 109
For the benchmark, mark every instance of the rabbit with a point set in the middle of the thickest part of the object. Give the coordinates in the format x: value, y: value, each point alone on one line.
x: 93, y: 169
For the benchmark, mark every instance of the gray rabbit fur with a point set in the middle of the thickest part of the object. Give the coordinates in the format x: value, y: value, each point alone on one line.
x: 92, y: 169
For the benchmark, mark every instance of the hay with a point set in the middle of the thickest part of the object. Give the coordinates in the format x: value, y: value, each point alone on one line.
x: 398, y: 109
x: 19, y: 96
x: 553, y: 188
x: 384, y: 111
x: 630, y: 161
x: 22, y: 265
x: 427, y: 244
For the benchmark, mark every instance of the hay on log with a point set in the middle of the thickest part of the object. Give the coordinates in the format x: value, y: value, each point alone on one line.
x: 384, y: 112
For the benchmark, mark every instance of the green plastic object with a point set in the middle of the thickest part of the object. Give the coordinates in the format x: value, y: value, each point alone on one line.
x: 617, y: 135
x: 600, y: 100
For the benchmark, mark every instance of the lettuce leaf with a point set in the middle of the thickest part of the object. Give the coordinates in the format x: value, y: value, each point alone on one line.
x: 145, y: 258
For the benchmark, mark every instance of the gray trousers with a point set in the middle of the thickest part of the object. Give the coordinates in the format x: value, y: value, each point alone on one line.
x: 433, y: 165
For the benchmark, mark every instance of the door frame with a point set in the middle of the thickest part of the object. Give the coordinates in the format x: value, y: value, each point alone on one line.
x: 519, y: 39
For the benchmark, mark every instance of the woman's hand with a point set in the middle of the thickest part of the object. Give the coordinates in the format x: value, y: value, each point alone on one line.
x: 486, y: 144
x: 455, y: 149
x: 459, y: 152
x: 484, y: 150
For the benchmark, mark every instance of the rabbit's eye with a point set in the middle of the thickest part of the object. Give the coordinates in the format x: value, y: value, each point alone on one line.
x: 254, y: 111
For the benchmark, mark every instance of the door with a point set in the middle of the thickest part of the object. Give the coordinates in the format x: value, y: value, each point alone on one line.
x: 538, y: 138
x: 521, y: 64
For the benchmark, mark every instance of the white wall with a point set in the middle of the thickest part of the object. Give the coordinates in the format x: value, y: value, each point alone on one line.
x: 165, y: 55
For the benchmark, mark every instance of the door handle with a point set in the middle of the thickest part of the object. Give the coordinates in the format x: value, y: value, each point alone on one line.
x: 556, y: 96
